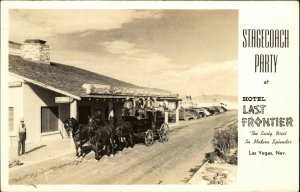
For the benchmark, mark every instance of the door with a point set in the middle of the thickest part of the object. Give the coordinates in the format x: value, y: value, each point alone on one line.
x: 83, y: 113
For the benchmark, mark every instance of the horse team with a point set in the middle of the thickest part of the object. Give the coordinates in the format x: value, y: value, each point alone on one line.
x: 118, y: 133
x: 102, y: 136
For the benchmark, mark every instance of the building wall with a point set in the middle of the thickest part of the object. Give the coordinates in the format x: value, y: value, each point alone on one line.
x: 29, y: 99
x: 27, y: 102
x: 172, y: 105
x: 187, y: 104
x: 36, y: 97
x: 15, y: 101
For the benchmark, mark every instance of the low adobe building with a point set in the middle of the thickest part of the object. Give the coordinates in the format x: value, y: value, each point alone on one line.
x: 46, y: 93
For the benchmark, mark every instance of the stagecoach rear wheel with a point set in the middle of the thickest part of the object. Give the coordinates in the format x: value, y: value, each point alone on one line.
x: 149, y: 137
x: 164, y: 132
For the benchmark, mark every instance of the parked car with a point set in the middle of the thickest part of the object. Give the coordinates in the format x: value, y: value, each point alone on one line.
x: 221, y: 109
x: 171, y: 115
x: 203, y: 111
x: 215, y: 110
x: 212, y: 112
x: 194, y: 112
x: 185, y: 115
x: 224, y: 108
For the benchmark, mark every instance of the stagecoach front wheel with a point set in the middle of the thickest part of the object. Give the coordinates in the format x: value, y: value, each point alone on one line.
x: 164, y: 132
x: 149, y: 137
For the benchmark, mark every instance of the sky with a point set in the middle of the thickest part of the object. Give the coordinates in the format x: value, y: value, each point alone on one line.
x: 189, y: 52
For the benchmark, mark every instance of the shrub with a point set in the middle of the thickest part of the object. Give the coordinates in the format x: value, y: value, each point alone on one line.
x: 214, y: 156
x: 211, y: 157
x: 225, y: 142
x: 226, y: 139
x: 219, y: 179
x: 233, y: 159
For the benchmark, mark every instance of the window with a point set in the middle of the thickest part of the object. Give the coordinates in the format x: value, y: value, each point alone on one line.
x: 49, y: 119
x: 11, y: 119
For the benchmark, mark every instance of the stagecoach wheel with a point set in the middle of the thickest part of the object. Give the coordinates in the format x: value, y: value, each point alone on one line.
x: 149, y: 137
x: 164, y: 132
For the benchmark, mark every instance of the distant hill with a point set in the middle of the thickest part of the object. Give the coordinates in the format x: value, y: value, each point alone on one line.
x: 213, y: 98
x: 231, y: 102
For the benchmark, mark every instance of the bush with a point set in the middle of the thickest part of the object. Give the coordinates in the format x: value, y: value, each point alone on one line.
x: 219, y: 179
x: 211, y: 157
x: 226, y: 139
x: 225, y: 142
x: 233, y: 159
x: 214, y: 156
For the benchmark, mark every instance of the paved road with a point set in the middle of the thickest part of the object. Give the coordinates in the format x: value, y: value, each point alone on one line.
x: 173, y: 162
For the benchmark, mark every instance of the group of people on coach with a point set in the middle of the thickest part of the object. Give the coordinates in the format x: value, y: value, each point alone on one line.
x: 140, y: 106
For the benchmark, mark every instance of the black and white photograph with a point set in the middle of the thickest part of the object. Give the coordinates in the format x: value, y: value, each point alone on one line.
x: 122, y: 96
x: 149, y: 96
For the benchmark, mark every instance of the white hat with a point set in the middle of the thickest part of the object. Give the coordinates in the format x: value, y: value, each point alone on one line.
x: 21, y: 119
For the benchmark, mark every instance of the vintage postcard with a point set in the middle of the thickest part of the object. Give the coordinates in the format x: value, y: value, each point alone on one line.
x: 149, y: 96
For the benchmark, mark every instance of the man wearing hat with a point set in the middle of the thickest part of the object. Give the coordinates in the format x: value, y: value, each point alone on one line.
x: 21, y: 137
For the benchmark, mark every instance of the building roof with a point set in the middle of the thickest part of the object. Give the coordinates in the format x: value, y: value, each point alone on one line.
x: 71, y: 79
x: 14, y: 43
x: 35, y: 41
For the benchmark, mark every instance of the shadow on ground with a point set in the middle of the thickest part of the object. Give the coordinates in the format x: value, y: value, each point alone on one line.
x: 192, y: 173
x: 36, y: 148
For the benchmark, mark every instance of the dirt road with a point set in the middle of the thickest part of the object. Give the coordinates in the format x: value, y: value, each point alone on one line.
x: 173, y: 162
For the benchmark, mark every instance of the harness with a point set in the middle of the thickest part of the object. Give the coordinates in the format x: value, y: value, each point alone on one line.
x: 75, y: 134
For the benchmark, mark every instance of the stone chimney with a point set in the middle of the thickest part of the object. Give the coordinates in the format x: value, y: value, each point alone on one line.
x: 14, y: 48
x: 36, y: 50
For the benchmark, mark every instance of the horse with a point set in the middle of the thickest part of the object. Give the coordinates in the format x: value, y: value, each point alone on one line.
x: 101, y: 134
x: 124, y: 134
x: 79, y: 133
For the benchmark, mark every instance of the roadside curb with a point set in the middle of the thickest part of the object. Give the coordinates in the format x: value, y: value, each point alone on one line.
x: 195, y: 178
x: 29, y: 163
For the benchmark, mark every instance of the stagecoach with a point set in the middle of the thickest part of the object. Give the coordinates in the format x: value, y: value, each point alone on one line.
x: 145, y: 123
x: 148, y: 124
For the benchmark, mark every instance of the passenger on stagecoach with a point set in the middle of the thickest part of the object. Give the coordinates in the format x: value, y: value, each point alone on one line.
x: 141, y: 109
x: 161, y: 106
x: 149, y: 104
x: 142, y: 102
x: 166, y: 104
x: 136, y: 102
x: 136, y: 105
x: 128, y: 105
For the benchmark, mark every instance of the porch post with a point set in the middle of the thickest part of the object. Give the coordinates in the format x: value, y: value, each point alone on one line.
x: 166, y: 117
x: 73, y: 113
x: 177, y: 112
x: 73, y: 109
x: 110, y: 110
